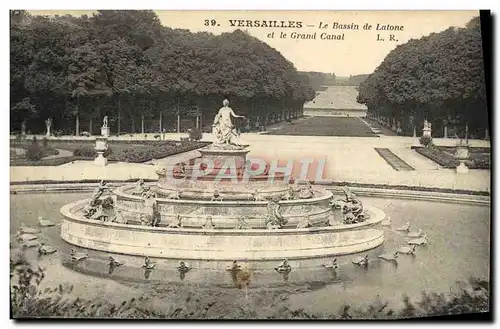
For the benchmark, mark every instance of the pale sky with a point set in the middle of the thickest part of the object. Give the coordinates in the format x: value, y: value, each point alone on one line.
x: 358, y: 53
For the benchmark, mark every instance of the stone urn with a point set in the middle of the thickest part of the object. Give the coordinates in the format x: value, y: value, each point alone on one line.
x: 462, y: 154
x: 101, y: 145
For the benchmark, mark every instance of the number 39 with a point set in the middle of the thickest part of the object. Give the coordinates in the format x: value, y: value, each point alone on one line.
x: 212, y: 22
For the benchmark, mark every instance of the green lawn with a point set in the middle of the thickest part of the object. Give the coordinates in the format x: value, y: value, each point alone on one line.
x: 326, y: 126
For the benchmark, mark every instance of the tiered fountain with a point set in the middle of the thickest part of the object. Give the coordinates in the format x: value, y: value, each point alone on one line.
x: 194, y: 213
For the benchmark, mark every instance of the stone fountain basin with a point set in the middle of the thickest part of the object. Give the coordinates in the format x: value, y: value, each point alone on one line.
x: 219, y: 244
x: 203, y: 190
x: 226, y: 213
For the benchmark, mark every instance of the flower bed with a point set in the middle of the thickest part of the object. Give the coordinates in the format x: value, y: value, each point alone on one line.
x: 444, y: 156
x: 46, y: 162
x: 35, y: 150
x: 136, y: 152
x: 153, y: 151
x: 441, y: 158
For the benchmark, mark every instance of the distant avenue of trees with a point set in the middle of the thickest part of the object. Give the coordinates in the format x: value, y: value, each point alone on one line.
x: 126, y: 65
x: 319, y: 80
x: 439, y: 77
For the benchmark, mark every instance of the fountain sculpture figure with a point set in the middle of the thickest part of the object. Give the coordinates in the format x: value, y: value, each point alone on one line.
x: 223, y: 127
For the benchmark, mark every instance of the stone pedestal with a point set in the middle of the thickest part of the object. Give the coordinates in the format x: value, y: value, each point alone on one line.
x: 462, y: 154
x: 445, y: 132
x: 426, y: 132
x: 462, y: 168
x: 105, y: 131
x: 221, y: 156
x: 100, y: 160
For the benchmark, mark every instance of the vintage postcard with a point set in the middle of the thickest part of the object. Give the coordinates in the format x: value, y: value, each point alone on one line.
x: 249, y: 164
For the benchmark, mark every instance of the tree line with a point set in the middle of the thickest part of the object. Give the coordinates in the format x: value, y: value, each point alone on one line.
x: 126, y: 65
x: 439, y: 77
x: 319, y: 79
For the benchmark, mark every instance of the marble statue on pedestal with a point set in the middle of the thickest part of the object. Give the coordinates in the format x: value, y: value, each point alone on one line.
x: 223, y: 127
x: 427, y: 129
x: 48, y: 124
x: 427, y: 124
x: 105, y: 129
